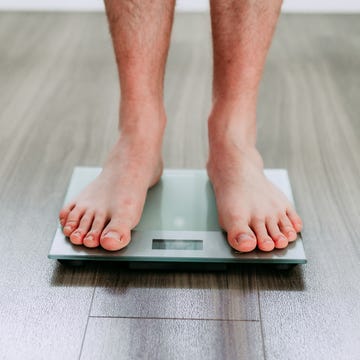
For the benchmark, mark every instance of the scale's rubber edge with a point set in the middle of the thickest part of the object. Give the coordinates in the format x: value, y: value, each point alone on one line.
x: 183, y: 261
x: 176, y: 266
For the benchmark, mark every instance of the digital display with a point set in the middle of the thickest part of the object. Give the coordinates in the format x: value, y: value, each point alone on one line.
x: 177, y: 244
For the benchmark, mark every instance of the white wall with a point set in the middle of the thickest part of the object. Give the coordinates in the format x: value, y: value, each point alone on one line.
x: 182, y: 5
x: 321, y: 6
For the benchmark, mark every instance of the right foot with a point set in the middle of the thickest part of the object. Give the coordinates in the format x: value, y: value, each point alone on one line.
x: 110, y: 206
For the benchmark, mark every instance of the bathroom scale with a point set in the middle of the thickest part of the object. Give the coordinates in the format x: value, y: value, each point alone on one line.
x: 178, y: 229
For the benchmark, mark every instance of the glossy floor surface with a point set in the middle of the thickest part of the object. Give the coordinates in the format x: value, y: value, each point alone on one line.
x: 58, y: 109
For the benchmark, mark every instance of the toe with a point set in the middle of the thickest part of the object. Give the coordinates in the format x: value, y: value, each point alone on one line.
x: 115, y: 236
x: 295, y: 219
x: 92, y: 238
x: 287, y: 229
x: 242, y: 238
x: 245, y: 241
x: 264, y: 241
x: 64, y: 212
x: 78, y: 234
x: 280, y: 240
x: 72, y: 220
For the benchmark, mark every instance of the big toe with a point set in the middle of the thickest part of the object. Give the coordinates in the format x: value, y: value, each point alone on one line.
x: 244, y: 241
x: 115, y: 239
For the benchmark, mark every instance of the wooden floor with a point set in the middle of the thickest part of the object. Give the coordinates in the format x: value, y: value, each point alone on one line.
x: 58, y: 108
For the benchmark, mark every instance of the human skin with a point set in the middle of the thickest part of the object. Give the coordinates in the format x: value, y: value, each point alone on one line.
x: 252, y: 211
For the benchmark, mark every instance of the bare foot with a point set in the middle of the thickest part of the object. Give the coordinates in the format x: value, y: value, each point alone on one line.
x: 109, y: 207
x: 252, y: 210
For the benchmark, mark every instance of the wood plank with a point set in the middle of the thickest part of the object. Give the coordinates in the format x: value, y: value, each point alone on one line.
x: 171, y: 339
x: 230, y: 296
x: 313, y: 312
x: 188, y: 92
x: 44, y: 118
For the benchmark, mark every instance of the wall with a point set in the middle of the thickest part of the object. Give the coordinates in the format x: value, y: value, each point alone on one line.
x: 182, y: 5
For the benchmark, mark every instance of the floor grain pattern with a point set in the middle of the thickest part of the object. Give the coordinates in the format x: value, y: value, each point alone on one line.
x: 223, y: 296
x: 171, y: 339
x: 58, y: 108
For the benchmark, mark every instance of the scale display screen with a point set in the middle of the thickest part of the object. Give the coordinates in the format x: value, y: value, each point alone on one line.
x: 174, y: 244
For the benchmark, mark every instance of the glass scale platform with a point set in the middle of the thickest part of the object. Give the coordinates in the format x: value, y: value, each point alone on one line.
x: 178, y: 228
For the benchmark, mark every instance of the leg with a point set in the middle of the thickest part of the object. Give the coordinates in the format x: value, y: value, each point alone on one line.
x: 108, y: 208
x: 252, y: 210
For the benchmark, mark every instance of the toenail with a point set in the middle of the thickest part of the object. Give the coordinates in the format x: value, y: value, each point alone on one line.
x: 292, y: 233
x: 89, y: 238
x: 112, y: 235
x: 244, y: 237
x: 67, y: 228
x: 76, y: 233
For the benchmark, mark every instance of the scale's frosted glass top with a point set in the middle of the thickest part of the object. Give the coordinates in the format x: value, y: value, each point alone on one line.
x: 180, y: 202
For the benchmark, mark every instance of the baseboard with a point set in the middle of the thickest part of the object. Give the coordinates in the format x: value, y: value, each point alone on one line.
x: 302, y: 6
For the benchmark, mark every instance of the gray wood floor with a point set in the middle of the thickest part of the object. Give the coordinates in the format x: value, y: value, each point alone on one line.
x: 58, y: 108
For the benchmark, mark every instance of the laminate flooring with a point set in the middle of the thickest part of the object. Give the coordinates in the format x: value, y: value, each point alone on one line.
x: 58, y: 108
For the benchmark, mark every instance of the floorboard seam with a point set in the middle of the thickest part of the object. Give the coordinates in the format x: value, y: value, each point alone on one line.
x: 260, y: 318
x: 87, y: 322
x: 165, y: 318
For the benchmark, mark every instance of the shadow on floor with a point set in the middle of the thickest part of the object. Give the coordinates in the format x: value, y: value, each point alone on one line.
x: 105, y: 274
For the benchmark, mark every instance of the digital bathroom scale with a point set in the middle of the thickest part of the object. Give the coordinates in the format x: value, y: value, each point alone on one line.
x: 178, y: 229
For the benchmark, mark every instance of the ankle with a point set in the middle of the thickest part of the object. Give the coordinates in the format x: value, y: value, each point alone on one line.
x: 230, y: 122
x: 227, y: 155
x: 145, y: 151
x: 142, y: 118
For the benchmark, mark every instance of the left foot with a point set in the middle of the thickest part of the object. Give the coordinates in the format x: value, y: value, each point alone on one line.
x: 253, y: 211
